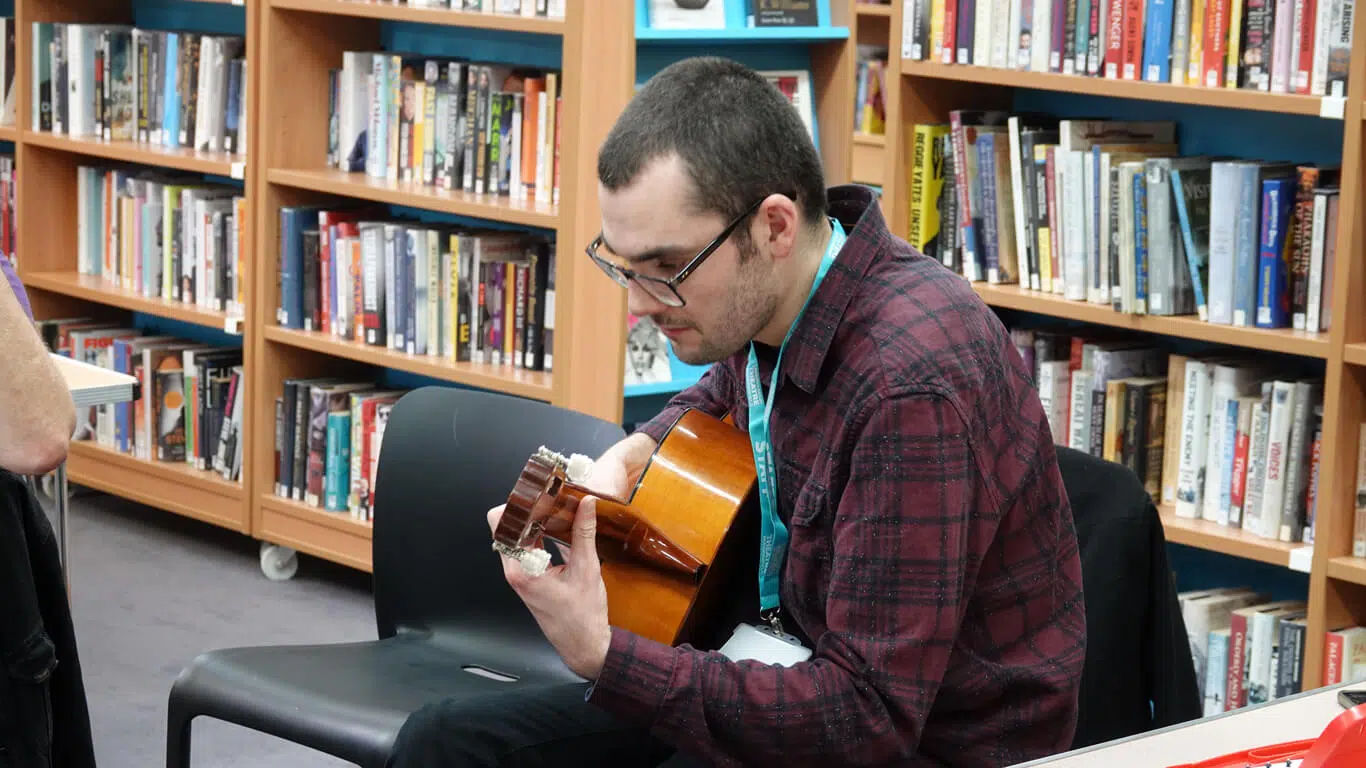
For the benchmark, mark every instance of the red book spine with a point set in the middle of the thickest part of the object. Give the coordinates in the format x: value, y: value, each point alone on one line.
x: 1215, y: 50
x: 1131, y: 63
x: 950, y: 30
x: 1237, y: 645
x: 1114, y: 40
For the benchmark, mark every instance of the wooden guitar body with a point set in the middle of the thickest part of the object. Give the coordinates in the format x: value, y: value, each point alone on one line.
x: 670, y: 552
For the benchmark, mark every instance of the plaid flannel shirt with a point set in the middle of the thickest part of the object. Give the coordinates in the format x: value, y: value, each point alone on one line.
x: 932, y: 561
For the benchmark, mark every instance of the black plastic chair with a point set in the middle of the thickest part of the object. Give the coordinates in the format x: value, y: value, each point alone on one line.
x: 441, y: 604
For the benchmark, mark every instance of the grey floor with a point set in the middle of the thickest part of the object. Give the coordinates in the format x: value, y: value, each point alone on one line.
x: 151, y: 590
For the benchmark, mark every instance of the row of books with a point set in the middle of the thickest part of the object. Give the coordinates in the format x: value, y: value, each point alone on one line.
x: 190, y: 406
x: 1108, y: 212
x: 162, y: 234
x: 1247, y: 648
x: 328, y: 434
x: 1280, y: 46
x: 553, y: 9
x: 123, y: 83
x: 1221, y: 437
x: 449, y: 123
x: 463, y: 294
x: 870, y: 89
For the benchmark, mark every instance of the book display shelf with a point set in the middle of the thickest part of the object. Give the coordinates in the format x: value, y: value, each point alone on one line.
x: 1222, y: 122
x: 63, y: 248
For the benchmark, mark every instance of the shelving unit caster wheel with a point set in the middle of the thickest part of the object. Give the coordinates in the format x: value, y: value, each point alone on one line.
x: 278, y: 563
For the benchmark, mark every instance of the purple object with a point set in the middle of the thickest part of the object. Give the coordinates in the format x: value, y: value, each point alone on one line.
x: 14, y: 283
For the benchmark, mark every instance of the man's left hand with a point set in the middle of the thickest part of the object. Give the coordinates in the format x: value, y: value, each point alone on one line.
x: 568, y: 601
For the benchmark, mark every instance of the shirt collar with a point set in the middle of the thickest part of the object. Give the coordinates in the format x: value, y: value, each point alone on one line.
x: 856, y: 208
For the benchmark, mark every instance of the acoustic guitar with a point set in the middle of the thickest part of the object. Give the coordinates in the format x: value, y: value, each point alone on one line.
x: 670, y: 552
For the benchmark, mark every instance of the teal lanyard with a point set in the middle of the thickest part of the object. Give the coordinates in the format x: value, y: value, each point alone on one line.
x: 773, y: 534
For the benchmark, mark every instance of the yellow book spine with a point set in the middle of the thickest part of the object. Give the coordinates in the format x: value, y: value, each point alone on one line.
x: 1197, y: 46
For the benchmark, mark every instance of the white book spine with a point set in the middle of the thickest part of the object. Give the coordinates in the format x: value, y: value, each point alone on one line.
x: 1312, y: 316
x: 1277, y: 450
x: 1075, y: 279
x: 1079, y: 425
x: 1223, y: 222
x: 1297, y: 459
x: 1318, y: 76
x: 1256, y: 464
x: 1194, y: 436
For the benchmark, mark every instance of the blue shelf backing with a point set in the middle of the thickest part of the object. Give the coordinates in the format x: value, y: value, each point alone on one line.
x: 205, y: 18
x: 737, y: 31
x: 522, y: 49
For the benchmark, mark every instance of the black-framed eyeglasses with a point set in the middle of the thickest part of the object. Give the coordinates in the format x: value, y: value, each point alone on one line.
x: 664, y: 290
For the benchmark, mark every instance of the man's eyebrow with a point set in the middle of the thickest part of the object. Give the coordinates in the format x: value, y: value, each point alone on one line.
x: 654, y: 254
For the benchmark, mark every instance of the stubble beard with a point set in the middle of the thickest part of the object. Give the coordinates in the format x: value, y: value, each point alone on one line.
x: 749, y: 307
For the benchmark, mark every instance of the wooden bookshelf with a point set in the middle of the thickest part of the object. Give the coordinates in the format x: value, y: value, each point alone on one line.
x: 1348, y: 569
x: 873, y: 10
x: 1289, y: 342
x: 1354, y: 353
x: 1224, y: 98
x: 390, y: 11
x: 103, y: 291
x: 182, y: 159
x: 1208, y: 535
x: 174, y: 486
x: 332, y: 536
x: 926, y: 91
x: 528, y: 213
x: 47, y: 231
x: 537, y: 385
x: 869, y: 159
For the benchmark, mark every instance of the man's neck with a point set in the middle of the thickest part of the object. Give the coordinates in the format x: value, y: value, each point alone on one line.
x: 807, y: 263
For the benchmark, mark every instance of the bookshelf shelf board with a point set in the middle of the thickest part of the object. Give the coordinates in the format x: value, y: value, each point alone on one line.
x: 1183, y: 326
x: 333, y: 536
x: 870, y: 139
x: 414, y: 195
x: 218, y: 163
x: 870, y: 9
x: 102, y: 291
x: 1354, y: 353
x: 174, y: 486
x: 391, y: 11
x: 1204, y: 534
x: 742, y: 35
x: 1227, y: 98
x: 513, y: 381
x: 9, y: 133
x: 1349, y: 569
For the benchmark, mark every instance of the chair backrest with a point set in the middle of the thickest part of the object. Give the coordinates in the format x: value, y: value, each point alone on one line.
x: 1139, y: 673
x: 450, y: 455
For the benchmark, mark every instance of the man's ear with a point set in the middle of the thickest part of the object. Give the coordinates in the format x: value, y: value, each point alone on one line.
x: 778, y: 224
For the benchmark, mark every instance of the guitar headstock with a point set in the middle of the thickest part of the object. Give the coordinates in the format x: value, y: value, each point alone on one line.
x: 531, y: 501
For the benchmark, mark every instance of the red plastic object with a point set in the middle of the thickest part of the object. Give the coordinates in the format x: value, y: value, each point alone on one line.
x: 1341, y: 745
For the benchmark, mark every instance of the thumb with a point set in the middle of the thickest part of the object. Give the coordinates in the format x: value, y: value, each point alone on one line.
x: 583, y: 552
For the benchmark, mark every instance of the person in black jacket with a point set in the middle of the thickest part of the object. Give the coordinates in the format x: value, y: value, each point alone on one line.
x: 44, y: 719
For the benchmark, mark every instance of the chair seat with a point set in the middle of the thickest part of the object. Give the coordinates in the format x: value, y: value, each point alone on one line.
x: 348, y: 700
